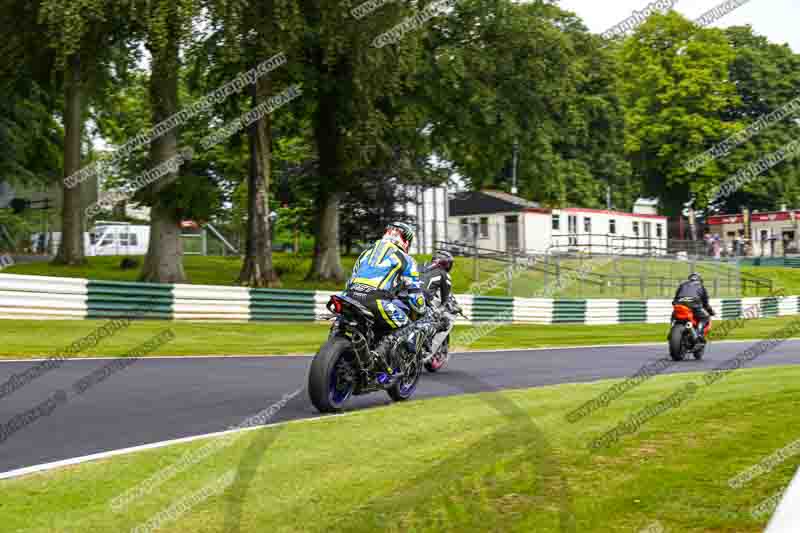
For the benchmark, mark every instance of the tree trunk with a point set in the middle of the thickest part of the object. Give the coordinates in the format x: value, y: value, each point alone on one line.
x: 327, y: 265
x: 164, y: 261
x: 257, y: 270
x: 119, y: 211
x: 71, y: 251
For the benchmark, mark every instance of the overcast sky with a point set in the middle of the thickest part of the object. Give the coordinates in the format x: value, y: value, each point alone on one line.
x: 777, y: 20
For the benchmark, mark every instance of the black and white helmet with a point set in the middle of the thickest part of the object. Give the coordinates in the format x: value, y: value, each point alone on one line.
x: 443, y: 259
x: 694, y: 276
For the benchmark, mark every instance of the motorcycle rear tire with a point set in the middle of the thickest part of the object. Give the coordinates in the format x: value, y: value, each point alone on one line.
x: 676, y: 349
x: 337, y: 351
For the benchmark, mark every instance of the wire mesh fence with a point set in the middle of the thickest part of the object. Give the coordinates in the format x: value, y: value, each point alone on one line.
x: 578, y: 275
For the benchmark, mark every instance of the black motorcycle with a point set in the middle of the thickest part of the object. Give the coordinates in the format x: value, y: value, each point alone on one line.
x: 436, y: 354
x: 347, y: 365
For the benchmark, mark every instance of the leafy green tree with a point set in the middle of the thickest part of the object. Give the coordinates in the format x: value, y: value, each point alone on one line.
x: 499, y: 74
x: 30, y: 136
x: 255, y: 32
x: 767, y: 78
x: 346, y: 80
x: 675, y: 86
x: 84, y: 34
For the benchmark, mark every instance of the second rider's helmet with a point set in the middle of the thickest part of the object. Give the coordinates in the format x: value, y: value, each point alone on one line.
x: 443, y: 259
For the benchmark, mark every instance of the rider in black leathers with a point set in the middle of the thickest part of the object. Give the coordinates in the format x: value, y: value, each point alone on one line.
x: 438, y: 286
x: 436, y: 280
x: 693, y: 295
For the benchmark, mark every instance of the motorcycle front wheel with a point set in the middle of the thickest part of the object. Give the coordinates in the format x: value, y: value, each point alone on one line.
x: 438, y: 361
x: 412, y: 370
x: 700, y: 352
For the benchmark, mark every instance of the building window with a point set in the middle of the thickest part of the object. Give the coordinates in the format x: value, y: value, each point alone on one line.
x: 587, y: 225
x: 612, y: 226
x: 557, y: 222
x: 659, y: 231
x: 128, y: 239
x: 484, y: 231
x: 636, y: 228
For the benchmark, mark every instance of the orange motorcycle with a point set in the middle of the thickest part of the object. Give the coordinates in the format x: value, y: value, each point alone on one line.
x: 683, y: 335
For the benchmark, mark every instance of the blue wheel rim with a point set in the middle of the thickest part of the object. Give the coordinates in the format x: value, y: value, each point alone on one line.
x: 406, y: 390
x: 338, y: 395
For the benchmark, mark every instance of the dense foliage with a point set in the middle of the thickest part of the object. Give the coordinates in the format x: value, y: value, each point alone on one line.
x: 387, y: 102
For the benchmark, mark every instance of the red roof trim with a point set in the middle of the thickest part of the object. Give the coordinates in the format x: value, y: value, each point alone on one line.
x: 606, y: 212
x: 777, y: 216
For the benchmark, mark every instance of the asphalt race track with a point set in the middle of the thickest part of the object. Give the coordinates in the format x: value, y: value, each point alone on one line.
x: 161, y: 399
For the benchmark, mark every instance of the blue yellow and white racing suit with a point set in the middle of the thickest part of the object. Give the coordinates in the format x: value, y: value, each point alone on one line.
x: 386, y: 280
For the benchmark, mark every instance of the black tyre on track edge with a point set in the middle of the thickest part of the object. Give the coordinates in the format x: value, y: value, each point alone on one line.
x: 320, y: 371
x: 676, y: 342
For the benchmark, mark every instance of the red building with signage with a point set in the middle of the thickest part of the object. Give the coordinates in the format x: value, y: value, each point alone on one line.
x: 767, y: 234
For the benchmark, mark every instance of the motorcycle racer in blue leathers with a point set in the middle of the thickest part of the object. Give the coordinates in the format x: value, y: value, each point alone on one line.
x: 386, y: 280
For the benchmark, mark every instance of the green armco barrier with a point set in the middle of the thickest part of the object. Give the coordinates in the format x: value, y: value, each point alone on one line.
x: 492, y: 308
x: 731, y: 309
x: 107, y: 299
x: 281, y: 305
x: 569, y: 311
x: 769, y: 307
x: 632, y: 311
x: 113, y: 299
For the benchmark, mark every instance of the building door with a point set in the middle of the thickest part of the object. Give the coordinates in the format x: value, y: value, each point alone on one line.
x: 789, y: 242
x: 572, y: 229
x: 648, y: 234
x: 512, y: 233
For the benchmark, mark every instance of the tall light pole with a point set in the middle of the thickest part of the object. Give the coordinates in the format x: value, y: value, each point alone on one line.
x: 514, y: 167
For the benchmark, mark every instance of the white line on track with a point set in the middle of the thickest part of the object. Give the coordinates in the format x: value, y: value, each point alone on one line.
x: 44, y: 467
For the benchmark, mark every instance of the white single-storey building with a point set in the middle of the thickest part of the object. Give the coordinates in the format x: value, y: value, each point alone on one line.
x: 503, y: 222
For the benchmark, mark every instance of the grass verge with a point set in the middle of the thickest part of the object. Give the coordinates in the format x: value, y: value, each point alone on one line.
x: 488, y: 462
x: 36, y: 338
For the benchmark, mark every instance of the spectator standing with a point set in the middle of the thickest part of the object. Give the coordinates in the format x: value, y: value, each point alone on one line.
x: 709, y: 244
